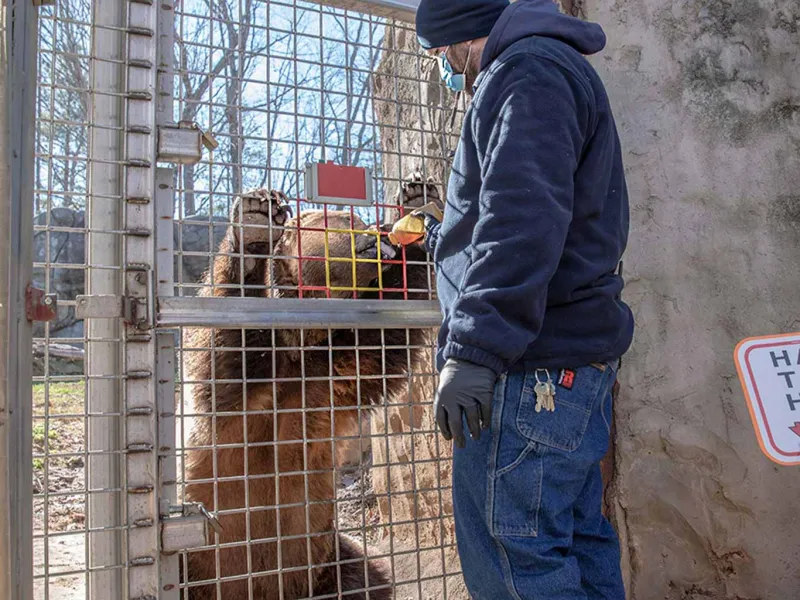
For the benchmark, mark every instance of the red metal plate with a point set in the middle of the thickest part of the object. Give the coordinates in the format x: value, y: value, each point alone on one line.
x: 337, y: 181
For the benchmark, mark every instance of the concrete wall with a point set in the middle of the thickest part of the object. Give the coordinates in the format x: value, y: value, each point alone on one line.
x: 707, y: 98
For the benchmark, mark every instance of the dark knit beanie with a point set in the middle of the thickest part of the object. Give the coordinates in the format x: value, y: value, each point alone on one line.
x: 446, y: 22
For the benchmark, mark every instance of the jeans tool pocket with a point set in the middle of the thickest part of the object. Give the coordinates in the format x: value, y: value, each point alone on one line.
x: 556, y: 404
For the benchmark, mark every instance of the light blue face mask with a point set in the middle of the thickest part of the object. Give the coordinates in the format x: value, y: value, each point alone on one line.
x: 455, y: 81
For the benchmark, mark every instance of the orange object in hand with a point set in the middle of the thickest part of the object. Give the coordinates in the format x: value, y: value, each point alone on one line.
x: 411, y: 228
x: 407, y: 230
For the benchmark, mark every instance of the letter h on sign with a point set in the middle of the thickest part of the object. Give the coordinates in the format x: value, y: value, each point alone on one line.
x: 784, y: 356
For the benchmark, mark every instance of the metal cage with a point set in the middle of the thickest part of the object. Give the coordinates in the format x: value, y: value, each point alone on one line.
x: 232, y: 385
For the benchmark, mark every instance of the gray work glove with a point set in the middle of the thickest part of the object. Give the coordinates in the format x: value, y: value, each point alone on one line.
x: 429, y: 219
x: 429, y: 241
x: 464, y: 389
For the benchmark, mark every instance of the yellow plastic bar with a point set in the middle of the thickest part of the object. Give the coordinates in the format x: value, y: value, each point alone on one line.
x: 329, y: 259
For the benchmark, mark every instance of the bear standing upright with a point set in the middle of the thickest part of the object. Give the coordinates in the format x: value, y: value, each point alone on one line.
x: 268, y: 405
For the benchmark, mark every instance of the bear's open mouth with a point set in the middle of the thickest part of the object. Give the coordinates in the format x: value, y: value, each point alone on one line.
x: 367, y: 248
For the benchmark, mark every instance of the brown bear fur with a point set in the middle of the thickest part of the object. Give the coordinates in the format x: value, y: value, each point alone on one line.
x: 305, y: 486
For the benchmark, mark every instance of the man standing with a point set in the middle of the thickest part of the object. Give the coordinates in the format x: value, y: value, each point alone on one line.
x: 535, y: 225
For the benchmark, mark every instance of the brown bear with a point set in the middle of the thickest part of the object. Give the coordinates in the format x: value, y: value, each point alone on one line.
x: 262, y: 453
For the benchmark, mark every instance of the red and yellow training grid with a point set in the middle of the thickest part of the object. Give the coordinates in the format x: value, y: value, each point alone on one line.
x: 352, y: 232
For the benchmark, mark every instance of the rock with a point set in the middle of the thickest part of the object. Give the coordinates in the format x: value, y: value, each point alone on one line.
x: 61, y: 247
x: 357, y: 451
x: 412, y: 479
x: 75, y: 462
x: 38, y: 486
x: 195, y: 239
x: 62, y: 359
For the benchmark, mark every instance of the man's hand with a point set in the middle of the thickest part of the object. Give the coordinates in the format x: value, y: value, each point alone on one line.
x: 430, y: 220
x: 464, y: 389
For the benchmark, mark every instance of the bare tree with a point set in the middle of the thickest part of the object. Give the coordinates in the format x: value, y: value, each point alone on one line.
x: 275, y: 97
x: 62, y: 127
x: 195, y: 81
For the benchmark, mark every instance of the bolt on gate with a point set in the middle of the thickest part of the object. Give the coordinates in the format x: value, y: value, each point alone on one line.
x: 232, y: 370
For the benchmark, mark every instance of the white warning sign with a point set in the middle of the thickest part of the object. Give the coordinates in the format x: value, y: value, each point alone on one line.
x: 769, y: 370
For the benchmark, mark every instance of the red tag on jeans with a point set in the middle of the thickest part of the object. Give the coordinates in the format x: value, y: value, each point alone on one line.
x: 566, y: 379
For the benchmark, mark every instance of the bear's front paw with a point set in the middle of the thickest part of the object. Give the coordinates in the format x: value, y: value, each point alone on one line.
x: 258, y: 217
x: 415, y: 192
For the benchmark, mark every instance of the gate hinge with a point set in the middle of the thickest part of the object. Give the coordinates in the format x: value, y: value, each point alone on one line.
x: 182, y: 143
x: 108, y: 306
x: 40, y: 306
x: 186, y: 527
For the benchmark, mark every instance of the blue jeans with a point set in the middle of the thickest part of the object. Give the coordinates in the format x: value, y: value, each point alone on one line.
x: 527, y: 496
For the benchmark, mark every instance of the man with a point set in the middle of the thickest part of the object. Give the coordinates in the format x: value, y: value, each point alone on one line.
x: 533, y: 326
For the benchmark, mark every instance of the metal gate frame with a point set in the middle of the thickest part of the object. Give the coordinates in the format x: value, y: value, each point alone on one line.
x: 17, y: 90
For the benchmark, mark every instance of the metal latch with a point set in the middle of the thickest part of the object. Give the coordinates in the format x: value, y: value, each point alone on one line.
x: 188, y: 528
x: 182, y: 143
x: 40, y: 306
x: 108, y: 306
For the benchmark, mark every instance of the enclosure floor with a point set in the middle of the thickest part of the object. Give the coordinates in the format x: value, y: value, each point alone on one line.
x: 408, y: 567
x: 356, y: 502
x: 65, y: 555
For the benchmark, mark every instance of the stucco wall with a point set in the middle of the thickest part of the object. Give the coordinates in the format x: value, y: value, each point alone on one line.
x: 707, y: 98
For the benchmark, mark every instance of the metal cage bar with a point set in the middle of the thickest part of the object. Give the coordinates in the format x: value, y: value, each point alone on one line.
x: 6, y: 580
x: 307, y: 313
x: 18, y: 74
x: 142, y: 62
x: 104, y: 403
x: 402, y: 10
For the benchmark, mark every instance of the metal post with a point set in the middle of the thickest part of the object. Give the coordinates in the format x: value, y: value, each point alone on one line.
x: 106, y: 152
x: 5, y: 240
x: 169, y: 568
x: 141, y: 436
x: 17, y: 98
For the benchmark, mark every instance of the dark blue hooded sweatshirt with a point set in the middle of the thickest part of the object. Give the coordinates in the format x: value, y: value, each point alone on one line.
x: 537, y: 208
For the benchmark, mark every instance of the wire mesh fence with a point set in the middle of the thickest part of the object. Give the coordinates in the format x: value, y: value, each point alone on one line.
x: 77, y: 425
x: 311, y: 444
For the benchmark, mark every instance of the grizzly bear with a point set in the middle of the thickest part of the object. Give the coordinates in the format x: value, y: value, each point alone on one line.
x: 270, y: 407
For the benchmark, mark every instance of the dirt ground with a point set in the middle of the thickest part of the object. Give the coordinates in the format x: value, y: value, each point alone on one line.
x: 60, y: 468
x: 62, y: 473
